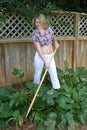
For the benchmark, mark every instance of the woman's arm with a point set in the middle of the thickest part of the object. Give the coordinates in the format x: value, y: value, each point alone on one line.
x: 39, y: 49
x: 56, y: 44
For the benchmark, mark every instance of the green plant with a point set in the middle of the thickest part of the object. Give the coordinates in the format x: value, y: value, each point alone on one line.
x: 18, y: 103
x: 19, y: 74
x: 5, y: 110
x: 69, y: 102
x: 13, y: 106
x: 61, y: 108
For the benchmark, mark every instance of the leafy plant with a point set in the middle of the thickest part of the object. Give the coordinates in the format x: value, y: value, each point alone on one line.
x: 50, y: 123
x: 13, y: 106
x: 19, y: 74
x: 17, y: 118
x: 61, y: 108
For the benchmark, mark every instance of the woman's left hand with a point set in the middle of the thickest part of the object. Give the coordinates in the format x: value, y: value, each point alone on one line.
x: 57, y: 45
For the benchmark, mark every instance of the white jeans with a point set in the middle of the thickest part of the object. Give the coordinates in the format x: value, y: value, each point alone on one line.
x: 39, y: 64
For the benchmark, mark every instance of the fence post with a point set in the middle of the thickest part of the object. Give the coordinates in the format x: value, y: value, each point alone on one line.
x: 76, y: 42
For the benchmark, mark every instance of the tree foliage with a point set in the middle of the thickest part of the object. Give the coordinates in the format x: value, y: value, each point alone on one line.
x: 29, y: 8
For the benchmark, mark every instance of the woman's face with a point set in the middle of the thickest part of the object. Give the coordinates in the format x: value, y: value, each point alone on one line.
x: 38, y: 24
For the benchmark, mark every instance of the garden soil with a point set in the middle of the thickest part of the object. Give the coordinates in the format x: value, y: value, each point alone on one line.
x: 32, y: 126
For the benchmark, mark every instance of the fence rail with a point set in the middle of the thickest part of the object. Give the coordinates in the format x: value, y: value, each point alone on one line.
x: 17, y: 51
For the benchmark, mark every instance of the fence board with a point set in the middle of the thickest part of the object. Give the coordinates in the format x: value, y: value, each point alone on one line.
x: 2, y: 67
x: 7, y: 56
x: 81, y: 54
x: 65, y: 53
x: 30, y: 55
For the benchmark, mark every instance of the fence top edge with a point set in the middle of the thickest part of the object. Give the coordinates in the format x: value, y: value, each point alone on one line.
x: 27, y: 39
x: 68, y: 12
x: 2, y: 41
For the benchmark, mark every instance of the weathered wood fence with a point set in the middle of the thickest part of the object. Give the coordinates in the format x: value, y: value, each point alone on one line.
x: 17, y: 51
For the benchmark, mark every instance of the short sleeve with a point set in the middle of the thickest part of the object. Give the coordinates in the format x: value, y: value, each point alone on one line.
x: 50, y: 31
x: 33, y: 37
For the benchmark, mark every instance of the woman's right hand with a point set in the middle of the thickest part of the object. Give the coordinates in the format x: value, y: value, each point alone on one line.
x: 47, y: 66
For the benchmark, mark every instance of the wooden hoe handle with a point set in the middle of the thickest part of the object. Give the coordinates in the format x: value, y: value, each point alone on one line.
x: 40, y: 84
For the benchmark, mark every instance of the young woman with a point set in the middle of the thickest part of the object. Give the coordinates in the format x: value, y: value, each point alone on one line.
x: 42, y: 37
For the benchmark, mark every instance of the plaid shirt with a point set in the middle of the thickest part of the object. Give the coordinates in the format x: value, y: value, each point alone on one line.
x: 42, y: 39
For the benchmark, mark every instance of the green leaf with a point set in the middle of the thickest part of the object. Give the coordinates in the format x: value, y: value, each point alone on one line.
x: 61, y: 101
x: 52, y: 115
x: 51, y: 127
x: 40, y: 126
x: 21, y: 120
x: 37, y: 117
x: 18, y: 73
x: 66, y: 65
x: 69, y: 118
x: 50, y: 96
x: 5, y: 110
x: 63, y: 122
x: 51, y: 121
x: 74, y: 94
x: 6, y: 92
x: 82, y: 116
x: 3, y: 123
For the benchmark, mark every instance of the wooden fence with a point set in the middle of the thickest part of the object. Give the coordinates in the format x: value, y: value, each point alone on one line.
x: 71, y: 31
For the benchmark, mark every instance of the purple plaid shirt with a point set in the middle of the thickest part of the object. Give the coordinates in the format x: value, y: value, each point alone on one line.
x: 42, y: 39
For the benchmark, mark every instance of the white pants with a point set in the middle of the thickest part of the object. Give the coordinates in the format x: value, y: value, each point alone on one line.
x: 39, y: 64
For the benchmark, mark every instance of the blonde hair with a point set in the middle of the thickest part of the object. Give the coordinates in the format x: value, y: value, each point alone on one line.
x: 43, y: 20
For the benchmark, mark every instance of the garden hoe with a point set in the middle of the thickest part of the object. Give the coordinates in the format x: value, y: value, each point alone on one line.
x: 40, y: 84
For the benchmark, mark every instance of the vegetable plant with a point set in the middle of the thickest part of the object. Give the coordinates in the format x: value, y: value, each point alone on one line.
x: 65, y: 107
x: 19, y: 74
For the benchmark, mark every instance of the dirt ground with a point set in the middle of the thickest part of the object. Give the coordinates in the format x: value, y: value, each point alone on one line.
x: 31, y: 126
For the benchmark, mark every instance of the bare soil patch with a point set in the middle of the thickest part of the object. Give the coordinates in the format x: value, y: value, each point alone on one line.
x: 32, y: 126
